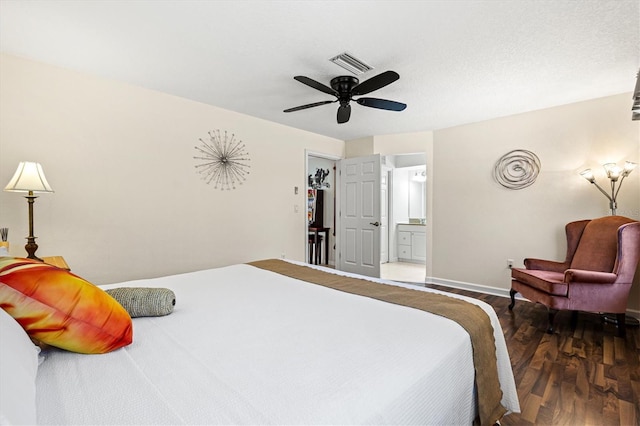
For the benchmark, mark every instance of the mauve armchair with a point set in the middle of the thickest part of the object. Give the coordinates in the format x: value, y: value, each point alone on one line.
x: 596, y: 276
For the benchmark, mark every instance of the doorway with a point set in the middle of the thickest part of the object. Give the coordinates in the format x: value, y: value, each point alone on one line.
x: 407, y: 227
x: 320, y: 186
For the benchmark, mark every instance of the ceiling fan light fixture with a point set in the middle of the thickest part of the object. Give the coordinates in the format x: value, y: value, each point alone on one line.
x: 351, y: 63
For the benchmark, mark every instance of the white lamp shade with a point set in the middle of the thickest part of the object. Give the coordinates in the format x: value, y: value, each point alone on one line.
x: 613, y: 171
x: 628, y: 168
x: 28, y: 177
x: 588, y: 175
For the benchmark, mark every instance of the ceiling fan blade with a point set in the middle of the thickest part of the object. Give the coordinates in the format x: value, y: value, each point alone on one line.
x: 316, y: 85
x: 344, y: 113
x: 382, y: 104
x: 375, y: 83
x: 315, y: 104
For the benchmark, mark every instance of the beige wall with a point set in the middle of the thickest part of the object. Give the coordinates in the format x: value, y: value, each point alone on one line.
x: 359, y: 147
x: 479, y: 224
x: 128, y: 202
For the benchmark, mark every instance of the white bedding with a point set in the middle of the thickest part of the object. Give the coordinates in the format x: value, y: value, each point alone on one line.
x: 248, y: 346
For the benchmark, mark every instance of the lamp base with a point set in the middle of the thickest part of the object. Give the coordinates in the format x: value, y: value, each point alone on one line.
x: 31, y: 248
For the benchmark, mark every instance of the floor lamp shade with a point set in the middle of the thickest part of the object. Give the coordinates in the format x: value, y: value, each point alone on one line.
x: 616, y: 175
x: 29, y: 178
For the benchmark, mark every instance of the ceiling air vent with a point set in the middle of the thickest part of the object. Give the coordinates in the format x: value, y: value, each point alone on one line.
x: 351, y: 63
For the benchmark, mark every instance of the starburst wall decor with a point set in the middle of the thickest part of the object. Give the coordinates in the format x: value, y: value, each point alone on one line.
x: 224, y: 160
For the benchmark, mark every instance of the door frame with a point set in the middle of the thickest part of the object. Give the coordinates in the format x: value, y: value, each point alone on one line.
x: 391, y: 252
x: 309, y: 153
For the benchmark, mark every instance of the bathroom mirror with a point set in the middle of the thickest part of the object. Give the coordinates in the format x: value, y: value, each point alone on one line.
x: 417, y: 207
x: 409, y: 189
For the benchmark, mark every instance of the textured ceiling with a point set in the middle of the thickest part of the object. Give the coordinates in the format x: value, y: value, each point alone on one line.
x: 459, y: 61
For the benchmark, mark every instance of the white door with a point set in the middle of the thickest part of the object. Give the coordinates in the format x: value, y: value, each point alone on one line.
x: 359, y: 230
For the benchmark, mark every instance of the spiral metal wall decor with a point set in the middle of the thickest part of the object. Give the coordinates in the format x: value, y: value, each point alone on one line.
x: 517, y: 169
x: 224, y: 160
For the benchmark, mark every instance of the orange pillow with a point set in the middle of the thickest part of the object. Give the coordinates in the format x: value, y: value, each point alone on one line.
x: 61, y: 309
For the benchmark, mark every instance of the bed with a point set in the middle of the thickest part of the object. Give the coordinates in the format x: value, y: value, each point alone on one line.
x: 249, y: 345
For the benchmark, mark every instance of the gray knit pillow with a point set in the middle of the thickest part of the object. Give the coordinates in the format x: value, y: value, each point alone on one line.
x: 143, y: 301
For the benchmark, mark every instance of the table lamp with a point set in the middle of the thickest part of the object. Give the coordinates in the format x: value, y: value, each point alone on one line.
x: 29, y: 178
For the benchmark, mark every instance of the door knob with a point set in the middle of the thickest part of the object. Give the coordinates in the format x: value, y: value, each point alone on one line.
x: 374, y: 223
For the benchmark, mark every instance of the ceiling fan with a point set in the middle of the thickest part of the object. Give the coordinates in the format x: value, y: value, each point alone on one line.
x: 345, y: 87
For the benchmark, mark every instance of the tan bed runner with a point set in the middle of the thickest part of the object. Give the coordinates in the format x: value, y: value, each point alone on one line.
x: 471, y: 317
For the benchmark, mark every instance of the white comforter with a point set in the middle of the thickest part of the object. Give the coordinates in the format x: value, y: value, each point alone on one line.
x: 248, y: 346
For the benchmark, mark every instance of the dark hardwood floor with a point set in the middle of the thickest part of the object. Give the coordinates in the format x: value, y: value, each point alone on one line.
x: 581, y: 376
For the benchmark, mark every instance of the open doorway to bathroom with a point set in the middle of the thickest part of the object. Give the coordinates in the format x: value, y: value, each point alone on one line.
x: 406, y: 233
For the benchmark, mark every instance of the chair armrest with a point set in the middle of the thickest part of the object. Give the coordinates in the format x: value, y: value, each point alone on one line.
x: 545, y: 265
x: 589, y: 277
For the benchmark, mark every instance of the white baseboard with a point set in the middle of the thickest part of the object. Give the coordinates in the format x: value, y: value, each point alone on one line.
x: 494, y: 291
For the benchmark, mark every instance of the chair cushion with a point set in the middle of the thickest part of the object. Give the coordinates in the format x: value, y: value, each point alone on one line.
x: 547, y: 281
x: 598, y: 246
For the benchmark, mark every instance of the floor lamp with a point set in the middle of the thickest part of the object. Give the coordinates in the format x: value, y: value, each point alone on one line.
x: 616, y: 175
x: 29, y: 178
